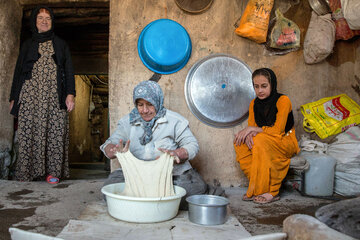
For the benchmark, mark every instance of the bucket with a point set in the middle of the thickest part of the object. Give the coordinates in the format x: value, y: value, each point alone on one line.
x: 319, y: 178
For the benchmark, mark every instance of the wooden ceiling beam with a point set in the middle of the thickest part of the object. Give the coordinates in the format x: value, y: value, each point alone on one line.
x: 31, y: 4
x: 83, y: 21
x: 75, y: 12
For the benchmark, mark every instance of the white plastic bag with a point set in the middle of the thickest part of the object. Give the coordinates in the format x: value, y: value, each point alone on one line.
x: 351, y: 10
x: 308, y: 145
x: 319, y: 39
x: 285, y: 33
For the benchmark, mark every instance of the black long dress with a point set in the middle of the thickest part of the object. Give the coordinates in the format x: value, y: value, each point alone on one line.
x: 43, y: 127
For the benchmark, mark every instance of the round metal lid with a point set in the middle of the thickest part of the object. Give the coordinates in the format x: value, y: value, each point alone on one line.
x: 218, y: 90
x: 194, y: 6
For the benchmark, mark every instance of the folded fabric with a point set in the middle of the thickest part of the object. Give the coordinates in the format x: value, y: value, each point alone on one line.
x: 299, y: 163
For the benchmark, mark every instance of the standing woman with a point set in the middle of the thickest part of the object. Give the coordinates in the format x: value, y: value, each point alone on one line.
x: 265, y: 146
x: 42, y: 94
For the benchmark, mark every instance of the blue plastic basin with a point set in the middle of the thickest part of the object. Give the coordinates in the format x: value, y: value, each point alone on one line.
x: 164, y: 46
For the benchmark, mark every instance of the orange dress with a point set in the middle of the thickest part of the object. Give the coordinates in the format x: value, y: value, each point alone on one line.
x: 267, y: 163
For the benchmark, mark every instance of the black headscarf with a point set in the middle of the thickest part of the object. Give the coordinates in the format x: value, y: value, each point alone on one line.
x: 44, y: 36
x: 265, y: 110
x: 36, y: 37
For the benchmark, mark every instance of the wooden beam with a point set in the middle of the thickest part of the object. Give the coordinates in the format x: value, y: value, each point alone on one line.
x: 75, y: 12
x: 101, y: 91
x: 31, y: 4
x: 83, y: 21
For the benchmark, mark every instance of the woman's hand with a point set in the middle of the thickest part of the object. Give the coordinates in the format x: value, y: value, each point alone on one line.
x: 112, y: 149
x: 11, y: 104
x: 180, y: 154
x: 249, y: 139
x: 70, y: 102
x: 240, y: 137
x: 121, y: 148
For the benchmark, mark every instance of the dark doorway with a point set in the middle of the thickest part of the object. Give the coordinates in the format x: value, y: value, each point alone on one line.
x: 85, y: 27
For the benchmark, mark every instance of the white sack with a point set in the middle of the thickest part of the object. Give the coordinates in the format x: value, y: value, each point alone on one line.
x: 347, y: 179
x: 319, y: 39
x: 346, y: 150
x: 351, y: 11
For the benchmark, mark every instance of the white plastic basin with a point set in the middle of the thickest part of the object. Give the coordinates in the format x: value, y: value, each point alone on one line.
x: 141, y: 210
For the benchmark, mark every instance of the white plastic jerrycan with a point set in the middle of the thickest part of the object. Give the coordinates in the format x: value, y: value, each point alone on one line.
x: 319, y: 178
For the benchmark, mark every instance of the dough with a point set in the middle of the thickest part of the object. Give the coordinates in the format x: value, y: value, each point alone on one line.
x: 147, y: 178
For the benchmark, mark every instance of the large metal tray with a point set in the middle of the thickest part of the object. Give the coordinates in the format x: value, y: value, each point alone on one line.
x: 218, y: 90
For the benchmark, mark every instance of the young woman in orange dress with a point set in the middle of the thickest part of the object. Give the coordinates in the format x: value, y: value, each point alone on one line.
x: 265, y: 146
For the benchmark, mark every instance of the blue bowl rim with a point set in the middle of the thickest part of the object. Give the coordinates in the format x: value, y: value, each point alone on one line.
x: 150, y: 67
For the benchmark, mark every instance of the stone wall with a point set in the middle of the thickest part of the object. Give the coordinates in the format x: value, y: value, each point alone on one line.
x: 10, y: 24
x: 213, y: 32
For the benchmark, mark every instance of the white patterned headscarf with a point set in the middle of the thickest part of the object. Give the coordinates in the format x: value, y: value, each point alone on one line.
x: 151, y: 92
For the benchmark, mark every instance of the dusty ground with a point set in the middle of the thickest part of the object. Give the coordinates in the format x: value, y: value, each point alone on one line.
x: 260, y: 219
x: 41, y: 207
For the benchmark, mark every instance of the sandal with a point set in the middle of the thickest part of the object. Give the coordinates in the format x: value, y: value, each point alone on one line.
x: 262, y: 199
x: 52, y: 180
x: 247, y: 199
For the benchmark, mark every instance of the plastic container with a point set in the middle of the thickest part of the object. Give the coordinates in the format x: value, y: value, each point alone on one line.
x: 141, y: 210
x: 164, y: 46
x: 319, y: 178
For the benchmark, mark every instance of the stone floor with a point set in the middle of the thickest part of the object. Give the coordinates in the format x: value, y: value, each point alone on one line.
x: 44, y: 208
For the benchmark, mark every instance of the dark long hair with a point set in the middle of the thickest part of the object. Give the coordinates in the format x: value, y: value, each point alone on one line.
x: 265, y: 110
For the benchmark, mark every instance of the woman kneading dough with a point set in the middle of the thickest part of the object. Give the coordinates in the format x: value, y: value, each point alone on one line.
x: 149, y: 131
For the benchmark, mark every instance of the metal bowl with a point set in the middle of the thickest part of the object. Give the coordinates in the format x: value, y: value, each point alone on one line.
x: 321, y: 7
x: 164, y: 46
x: 207, y: 209
x: 218, y: 90
x: 194, y: 6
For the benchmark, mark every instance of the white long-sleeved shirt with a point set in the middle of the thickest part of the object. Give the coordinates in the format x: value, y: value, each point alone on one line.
x: 169, y: 132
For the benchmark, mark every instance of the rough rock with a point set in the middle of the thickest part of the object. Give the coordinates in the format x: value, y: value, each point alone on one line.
x: 305, y: 227
x: 343, y: 216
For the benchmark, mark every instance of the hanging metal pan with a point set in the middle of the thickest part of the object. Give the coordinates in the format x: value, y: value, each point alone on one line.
x: 194, y: 6
x: 218, y: 90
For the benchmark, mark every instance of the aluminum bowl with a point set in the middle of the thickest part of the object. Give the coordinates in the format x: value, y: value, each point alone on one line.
x: 207, y: 209
x: 141, y: 210
x: 321, y: 7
